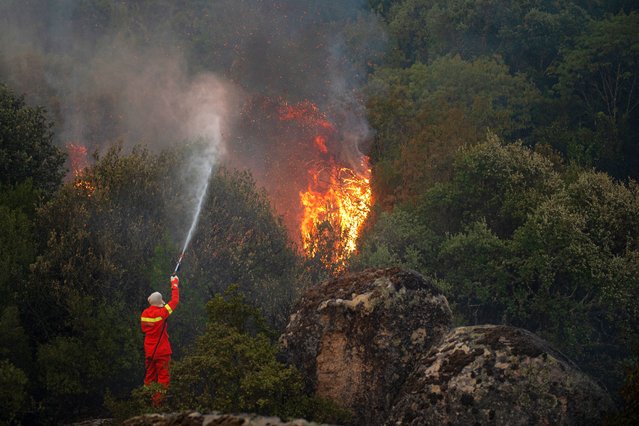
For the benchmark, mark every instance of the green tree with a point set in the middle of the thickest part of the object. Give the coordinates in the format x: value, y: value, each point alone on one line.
x: 231, y: 369
x: 239, y: 241
x: 498, y: 183
x: 13, y: 393
x: 101, y: 230
x: 527, y: 34
x: 17, y: 237
x: 567, y: 263
x: 599, y: 75
x: 15, y: 365
x: 423, y: 114
x: 101, y: 351
x: 559, y: 271
x: 397, y: 239
x: 532, y: 41
x: 474, y: 264
x: 26, y: 147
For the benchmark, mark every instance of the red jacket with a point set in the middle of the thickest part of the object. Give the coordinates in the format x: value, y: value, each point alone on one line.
x: 153, y: 323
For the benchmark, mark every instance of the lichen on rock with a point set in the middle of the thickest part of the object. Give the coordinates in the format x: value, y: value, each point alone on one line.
x: 356, y: 338
x: 498, y: 375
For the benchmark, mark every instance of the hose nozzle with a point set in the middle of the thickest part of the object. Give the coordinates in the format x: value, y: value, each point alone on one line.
x: 178, y: 263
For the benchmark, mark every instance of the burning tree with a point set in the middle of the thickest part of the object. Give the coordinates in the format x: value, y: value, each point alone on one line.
x: 336, y: 203
x: 311, y: 176
x: 78, y: 159
x: 337, y: 197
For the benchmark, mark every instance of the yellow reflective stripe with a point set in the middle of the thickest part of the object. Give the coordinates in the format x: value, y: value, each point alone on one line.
x: 147, y: 319
x: 168, y: 308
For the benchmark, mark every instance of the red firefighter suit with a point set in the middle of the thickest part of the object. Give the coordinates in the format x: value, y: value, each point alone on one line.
x: 157, y: 348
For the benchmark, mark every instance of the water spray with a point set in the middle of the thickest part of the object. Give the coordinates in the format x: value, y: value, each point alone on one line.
x: 196, y: 217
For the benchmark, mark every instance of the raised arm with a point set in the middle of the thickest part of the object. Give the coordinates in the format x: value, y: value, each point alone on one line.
x: 175, y: 294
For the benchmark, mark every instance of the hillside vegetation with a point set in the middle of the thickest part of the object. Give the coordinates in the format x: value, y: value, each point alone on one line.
x: 505, y: 160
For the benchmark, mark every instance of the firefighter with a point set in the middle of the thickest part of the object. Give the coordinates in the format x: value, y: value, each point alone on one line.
x: 157, y: 349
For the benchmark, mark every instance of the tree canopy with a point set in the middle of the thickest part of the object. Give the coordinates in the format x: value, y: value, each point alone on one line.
x: 26, y: 145
x: 511, y: 241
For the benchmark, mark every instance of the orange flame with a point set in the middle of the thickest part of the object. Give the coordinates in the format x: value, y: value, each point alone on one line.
x: 307, y: 114
x: 341, y: 201
x: 78, y: 157
x: 320, y: 143
x: 337, y: 199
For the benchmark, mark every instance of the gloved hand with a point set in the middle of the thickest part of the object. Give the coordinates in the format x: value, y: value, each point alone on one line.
x: 175, y: 281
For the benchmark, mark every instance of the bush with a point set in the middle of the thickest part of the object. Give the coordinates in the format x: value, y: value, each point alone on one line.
x: 233, y: 367
x: 13, y: 392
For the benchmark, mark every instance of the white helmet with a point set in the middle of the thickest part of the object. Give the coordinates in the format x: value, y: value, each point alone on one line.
x: 155, y: 299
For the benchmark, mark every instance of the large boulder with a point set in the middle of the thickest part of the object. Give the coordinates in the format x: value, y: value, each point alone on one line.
x: 356, y: 338
x: 498, y: 375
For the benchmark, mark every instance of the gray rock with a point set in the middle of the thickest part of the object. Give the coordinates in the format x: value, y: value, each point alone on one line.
x: 498, y: 375
x: 215, y: 419
x: 94, y: 422
x: 356, y: 338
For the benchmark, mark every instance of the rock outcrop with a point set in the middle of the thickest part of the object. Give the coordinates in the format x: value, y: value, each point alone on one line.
x: 215, y: 419
x: 501, y: 376
x: 357, y: 338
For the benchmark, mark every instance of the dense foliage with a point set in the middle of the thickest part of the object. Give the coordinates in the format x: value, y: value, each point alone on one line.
x: 534, y: 225
x: 78, y: 269
x: 424, y: 113
x: 26, y: 145
x: 511, y: 242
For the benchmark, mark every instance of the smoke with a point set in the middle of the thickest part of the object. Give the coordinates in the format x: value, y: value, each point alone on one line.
x: 165, y: 72
x: 207, y: 106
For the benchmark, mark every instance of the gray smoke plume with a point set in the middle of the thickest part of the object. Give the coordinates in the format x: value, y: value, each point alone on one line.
x: 162, y: 72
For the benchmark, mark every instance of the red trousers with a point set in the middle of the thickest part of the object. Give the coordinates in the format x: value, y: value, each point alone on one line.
x: 157, y: 371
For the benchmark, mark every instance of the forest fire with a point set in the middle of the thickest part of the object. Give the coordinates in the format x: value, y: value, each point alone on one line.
x: 78, y: 159
x: 337, y: 198
x: 336, y: 203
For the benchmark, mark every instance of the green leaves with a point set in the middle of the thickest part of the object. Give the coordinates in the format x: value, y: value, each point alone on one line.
x: 231, y: 371
x: 233, y: 368
x: 526, y: 33
x: 495, y: 182
x: 26, y: 145
x: 398, y: 239
x: 512, y: 241
x: 423, y: 114
x: 598, y: 78
x: 231, y: 310
x: 473, y: 262
x: 14, y: 397
x: 239, y: 241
